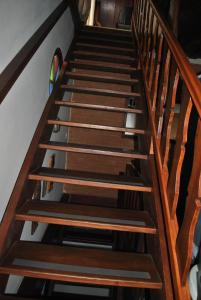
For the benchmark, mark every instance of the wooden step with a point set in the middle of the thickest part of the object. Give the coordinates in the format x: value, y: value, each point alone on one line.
x: 89, y: 179
x: 96, y: 127
x: 101, y: 92
x: 88, y: 149
x: 86, y: 216
x: 106, y: 34
x: 96, y: 78
x: 92, y: 266
x: 105, y: 49
x: 106, y: 41
x: 115, y: 31
x: 117, y: 59
x: 91, y: 65
x: 98, y: 107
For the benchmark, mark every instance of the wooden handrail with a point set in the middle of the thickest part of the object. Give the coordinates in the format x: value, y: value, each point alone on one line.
x: 183, y: 63
x: 19, y: 62
x: 169, y: 77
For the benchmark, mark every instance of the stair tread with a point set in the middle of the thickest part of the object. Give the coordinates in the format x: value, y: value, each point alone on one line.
x: 90, y: 149
x: 89, y: 179
x: 87, y: 64
x: 94, y: 91
x: 129, y: 52
x: 97, y: 78
x: 98, y: 107
x: 87, y: 216
x: 86, y: 32
x: 105, y: 40
x: 103, y: 56
x: 72, y: 264
x: 107, y: 29
x: 96, y: 127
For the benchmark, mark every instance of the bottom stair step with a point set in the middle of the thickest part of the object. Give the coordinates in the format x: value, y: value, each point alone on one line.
x: 72, y: 264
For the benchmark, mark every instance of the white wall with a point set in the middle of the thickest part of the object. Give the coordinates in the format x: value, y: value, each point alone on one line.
x: 19, y: 19
x: 23, y: 106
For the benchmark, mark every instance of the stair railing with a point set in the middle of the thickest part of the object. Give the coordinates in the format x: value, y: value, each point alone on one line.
x: 173, y: 95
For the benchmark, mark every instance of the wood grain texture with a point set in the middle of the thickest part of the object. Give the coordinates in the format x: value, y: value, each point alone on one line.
x: 192, y: 211
x: 105, y: 49
x: 86, y: 216
x: 91, y: 65
x: 97, y: 78
x: 101, y: 92
x: 106, y: 41
x: 175, y: 173
x: 89, y: 264
x: 89, y: 179
x: 106, y: 57
x: 105, y: 108
x: 90, y: 149
x: 181, y: 290
x: 168, y: 122
x: 96, y: 127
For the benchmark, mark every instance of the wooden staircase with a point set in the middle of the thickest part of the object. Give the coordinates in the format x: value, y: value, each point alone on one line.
x: 119, y: 226
x: 80, y: 265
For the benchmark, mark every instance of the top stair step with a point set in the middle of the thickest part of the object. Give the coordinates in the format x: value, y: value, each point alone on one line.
x: 114, y: 31
x: 72, y: 264
x: 106, y: 33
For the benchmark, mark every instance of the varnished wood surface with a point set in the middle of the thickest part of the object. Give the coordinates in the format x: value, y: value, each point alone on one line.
x: 114, y: 109
x: 101, y: 92
x: 89, y: 179
x: 113, y: 58
x: 156, y: 69
x: 127, y: 36
x: 105, y: 49
x: 86, y: 216
x: 81, y: 265
x: 96, y: 127
x: 107, y: 41
x: 114, y: 31
x: 92, y: 65
x: 97, y: 78
x: 90, y: 149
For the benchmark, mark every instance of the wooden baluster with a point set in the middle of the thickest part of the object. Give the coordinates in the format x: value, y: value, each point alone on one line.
x: 168, y: 121
x: 147, y: 21
x: 163, y: 97
x: 148, y: 57
x: 157, y: 71
x: 143, y: 24
x: 137, y: 14
x: 140, y: 18
x: 192, y: 210
x: 181, y: 140
x: 153, y: 54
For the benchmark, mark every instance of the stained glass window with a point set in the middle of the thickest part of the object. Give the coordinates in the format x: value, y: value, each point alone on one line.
x: 55, y: 69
